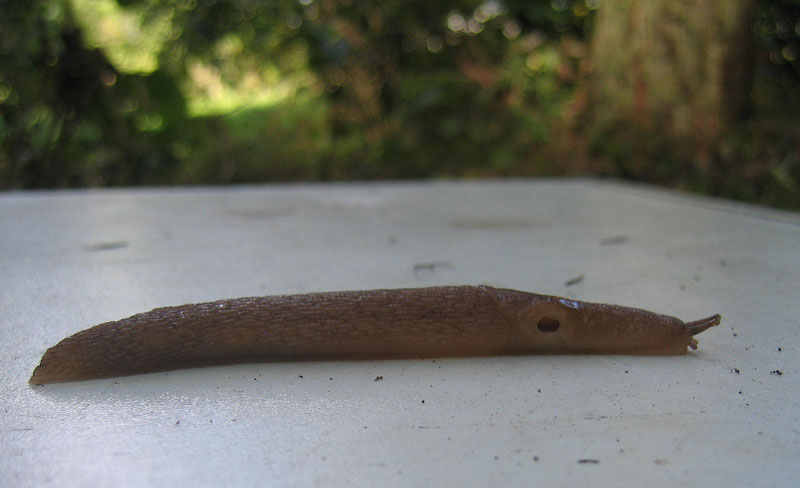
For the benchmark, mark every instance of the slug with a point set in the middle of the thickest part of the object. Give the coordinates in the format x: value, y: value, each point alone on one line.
x: 373, y: 324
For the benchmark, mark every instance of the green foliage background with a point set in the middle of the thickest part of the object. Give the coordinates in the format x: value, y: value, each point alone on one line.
x: 146, y: 92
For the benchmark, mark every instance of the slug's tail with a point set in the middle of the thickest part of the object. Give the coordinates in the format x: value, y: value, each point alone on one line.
x: 699, y: 326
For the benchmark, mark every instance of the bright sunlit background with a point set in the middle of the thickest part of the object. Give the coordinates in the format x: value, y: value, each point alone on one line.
x: 700, y: 95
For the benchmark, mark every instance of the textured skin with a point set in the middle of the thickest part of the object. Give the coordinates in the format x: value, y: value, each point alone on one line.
x: 401, y: 323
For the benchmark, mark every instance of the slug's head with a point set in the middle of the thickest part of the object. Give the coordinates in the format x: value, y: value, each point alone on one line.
x: 563, y: 325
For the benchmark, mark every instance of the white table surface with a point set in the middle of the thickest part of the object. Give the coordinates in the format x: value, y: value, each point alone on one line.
x: 719, y: 416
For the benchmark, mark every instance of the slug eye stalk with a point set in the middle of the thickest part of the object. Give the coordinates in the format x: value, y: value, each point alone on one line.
x: 699, y: 326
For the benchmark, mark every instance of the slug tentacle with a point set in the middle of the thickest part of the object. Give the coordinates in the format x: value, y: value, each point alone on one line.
x: 371, y: 324
x: 699, y: 326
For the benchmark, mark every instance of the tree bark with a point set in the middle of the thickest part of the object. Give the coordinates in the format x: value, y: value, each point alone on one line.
x: 667, y: 78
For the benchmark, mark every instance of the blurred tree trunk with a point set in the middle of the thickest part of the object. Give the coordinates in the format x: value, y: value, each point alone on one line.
x: 667, y: 78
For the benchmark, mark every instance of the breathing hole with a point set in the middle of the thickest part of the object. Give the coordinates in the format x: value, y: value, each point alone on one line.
x: 547, y: 324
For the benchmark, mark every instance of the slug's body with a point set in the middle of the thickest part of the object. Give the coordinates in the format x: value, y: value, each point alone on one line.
x: 402, y: 323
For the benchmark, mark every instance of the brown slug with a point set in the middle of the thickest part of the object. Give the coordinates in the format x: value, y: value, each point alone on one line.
x: 373, y: 324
